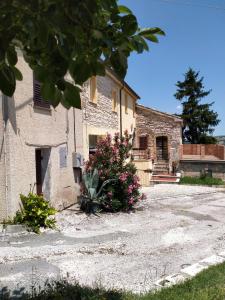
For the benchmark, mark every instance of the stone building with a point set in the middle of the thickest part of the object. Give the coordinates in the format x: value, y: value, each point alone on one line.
x: 108, y: 106
x: 39, y: 147
x: 42, y: 148
x: 160, y: 135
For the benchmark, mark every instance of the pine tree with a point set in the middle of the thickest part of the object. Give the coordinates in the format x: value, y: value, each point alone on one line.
x: 199, y: 119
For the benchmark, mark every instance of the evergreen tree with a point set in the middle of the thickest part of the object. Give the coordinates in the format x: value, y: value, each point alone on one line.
x: 199, y: 119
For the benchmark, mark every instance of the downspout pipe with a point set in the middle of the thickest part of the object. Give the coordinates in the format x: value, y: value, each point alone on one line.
x: 5, y: 120
x: 121, y: 119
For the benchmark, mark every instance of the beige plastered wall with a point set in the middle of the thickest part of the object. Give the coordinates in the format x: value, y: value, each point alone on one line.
x: 30, y: 128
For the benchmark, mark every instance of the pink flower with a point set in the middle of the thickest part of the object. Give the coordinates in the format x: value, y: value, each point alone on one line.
x: 130, y: 189
x: 131, y: 201
x: 123, y: 177
x: 110, y: 194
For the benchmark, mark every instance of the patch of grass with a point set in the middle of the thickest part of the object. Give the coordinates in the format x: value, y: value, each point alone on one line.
x: 207, y: 285
x: 201, y: 180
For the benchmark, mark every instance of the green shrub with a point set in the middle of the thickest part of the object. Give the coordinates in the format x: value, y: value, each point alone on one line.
x: 204, y: 180
x: 89, y: 200
x: 35, y: 213
x: 113, y: 161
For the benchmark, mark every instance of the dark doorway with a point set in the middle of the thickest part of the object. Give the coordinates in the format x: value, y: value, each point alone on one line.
x: 39, y: 182
x: 143, y: 142
x: 43, y: 172
x: 162, y: 148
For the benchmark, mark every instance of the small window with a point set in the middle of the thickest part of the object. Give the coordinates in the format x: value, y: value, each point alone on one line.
x: 93, y: 89
x: 134, y: 107
x: 143, y: 142
x: 93, y: 141
x: 126, y: 104
x: 37, y: 98
x: 114, y: 101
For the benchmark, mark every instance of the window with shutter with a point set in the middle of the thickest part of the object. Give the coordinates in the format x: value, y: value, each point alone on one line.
x: 114, y: 101
x: 143, y: 142
x: 134, y: 108
x: 37, y: 98
x: 93, y: 89
x: 126, y: 104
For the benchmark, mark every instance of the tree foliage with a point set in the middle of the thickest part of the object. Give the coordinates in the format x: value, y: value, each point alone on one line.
x: 199, y: 119
x: 57, y: 37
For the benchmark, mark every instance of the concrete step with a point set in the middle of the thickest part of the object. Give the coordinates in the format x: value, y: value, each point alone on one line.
x: 164, y: 178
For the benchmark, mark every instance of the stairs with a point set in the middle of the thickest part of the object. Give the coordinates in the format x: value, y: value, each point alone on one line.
x: 161, y: 173
x: 161, y: 167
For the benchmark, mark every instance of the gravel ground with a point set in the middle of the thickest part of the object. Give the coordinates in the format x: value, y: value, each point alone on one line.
x: 174, y: 227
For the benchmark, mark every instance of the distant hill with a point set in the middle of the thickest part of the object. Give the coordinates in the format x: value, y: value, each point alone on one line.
x: 221, y: 139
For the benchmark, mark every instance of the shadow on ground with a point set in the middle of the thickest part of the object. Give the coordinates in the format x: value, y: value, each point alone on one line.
x: 62, y: 290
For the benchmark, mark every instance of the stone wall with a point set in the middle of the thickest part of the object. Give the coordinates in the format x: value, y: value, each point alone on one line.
x: 153, y: 124
x: 100, y: 114
x: 30, y: 128
x: 193, y: 168
x: 99, y: 118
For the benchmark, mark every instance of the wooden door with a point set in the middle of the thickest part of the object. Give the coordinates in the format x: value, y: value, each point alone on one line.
x: 38, y: 159
x: 162, y: 148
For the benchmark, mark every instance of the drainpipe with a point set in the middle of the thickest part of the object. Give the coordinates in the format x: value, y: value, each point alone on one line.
x: 5, y: 119
x: 121, y: 125
x: 74, y: 130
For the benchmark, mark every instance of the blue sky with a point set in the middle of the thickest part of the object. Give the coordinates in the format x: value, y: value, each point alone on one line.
x: 195, y: 37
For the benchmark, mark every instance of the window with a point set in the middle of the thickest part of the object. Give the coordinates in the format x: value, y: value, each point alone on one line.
x: 93, y: 140
x: 134, y: 107
x: 114, y: 101
x: 126, y: 104
x: 143, y: 142
x: 93, y: 89
x: 37, y: 98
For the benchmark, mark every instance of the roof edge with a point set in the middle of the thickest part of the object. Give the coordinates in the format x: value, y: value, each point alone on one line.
x: 160, y: 112
x: 123, y: 82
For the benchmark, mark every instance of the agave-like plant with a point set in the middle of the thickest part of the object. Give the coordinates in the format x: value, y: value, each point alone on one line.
x: 89, y: 201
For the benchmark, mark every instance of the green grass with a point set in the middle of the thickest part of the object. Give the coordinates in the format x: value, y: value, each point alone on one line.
x: 207, y: 285
x: 202, y: 181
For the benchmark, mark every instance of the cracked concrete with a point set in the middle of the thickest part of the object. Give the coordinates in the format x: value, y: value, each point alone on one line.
x: 175, y: 227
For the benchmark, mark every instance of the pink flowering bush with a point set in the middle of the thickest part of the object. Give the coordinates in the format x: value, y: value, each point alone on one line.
x: 113, y: 161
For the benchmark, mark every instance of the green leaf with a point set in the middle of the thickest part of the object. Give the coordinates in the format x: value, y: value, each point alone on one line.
x: 92, y: 192
x: 72, y: 96
x: 124, y: 10
x: 17, y: 73
x: 98, y: 68
x: 129, y: 24
x: 119, y: 63
x: 80, y: 71
x: 56, y: 99
x: 48, y: 91
x: 154, y: 30
x: 151, y: 37
x: 40, y: 73
x: 43, y: 33
x: 11, y: 56
x: 7, y: 81
x: 139, y: 44
x: 97, y: 34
